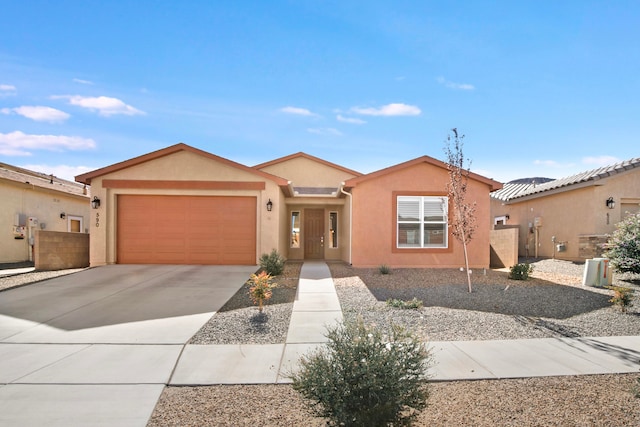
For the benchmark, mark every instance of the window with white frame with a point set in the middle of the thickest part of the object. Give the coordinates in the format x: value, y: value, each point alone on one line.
x: 422, y: 222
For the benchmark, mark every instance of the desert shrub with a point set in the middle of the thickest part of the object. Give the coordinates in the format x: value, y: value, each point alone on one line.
x: 623, y: 247
x: 364, y: 377
x: 414, y: 303
x: 384, y: 269
x: 272, y: 263
x: 520, y: 271
x: 260, y: 288
x: 621, y: 297
x: 635, y: 390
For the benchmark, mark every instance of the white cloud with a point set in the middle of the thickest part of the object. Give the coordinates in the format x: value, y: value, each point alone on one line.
x: 325, y: 131
x: 61, y: 171
x: 452, y: 85
x: 104, y: 105
x: 351, y: 120
x: 38, y: 113
x: 389, y: 110
x: 20, y: 144
x: 297, y: 111
x: 83, y: 82
x: 600, y: 160
x: 7, y: 90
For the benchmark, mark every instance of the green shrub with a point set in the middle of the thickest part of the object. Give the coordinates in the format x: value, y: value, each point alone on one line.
x: 623, y: 247
x: 384, y: 269
x: 621, y: 297
x: 414, y: 303
x: 272, y: 263
x: 365, y: 378
x: 520, y: 271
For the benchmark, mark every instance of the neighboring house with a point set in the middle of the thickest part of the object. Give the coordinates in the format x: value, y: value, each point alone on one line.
x: 182, y: 205
x: 569, y: 218
x: 34, y: 201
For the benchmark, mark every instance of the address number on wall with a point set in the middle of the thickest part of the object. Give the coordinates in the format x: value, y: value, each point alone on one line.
x: 97, y: 219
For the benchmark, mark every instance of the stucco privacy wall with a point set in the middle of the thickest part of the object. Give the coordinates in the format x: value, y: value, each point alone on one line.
x: 58, y: 250
x: 504, y: 247
x: 177, y: 166
x: 33, y: 201
x: 374, y: 222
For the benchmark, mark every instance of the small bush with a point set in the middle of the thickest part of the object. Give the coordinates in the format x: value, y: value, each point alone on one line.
x: 520, y: 271
x: 260, y: 288
x: 384, y: 269
x: 413, y: 304
x: 623, y: 247
x: 635, y: 390
x: 621, y: 297
x: 364, y: 378
x: 272, y: 263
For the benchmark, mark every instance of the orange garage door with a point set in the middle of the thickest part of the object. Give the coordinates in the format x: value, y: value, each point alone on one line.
x: 186, y: 230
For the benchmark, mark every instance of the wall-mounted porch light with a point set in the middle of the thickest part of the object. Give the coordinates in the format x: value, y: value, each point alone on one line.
x: 269, y: 205
x: 610, y: 203
x: 63, y: 215
x: 95, y: 203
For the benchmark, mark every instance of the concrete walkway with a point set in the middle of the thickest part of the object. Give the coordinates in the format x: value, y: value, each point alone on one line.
x: 108, y: 382
x: 317, y: 306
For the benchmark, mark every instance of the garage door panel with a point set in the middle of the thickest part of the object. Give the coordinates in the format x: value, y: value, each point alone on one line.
x: 186, y: 230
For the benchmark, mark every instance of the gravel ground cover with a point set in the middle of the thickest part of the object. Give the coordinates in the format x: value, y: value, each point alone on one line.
x: 552, y: 303
x: 240, y: 322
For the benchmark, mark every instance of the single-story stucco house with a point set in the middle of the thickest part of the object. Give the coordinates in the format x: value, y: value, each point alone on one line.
x: 33, y: 202
x: 569, y: 218
x: 183, y: 205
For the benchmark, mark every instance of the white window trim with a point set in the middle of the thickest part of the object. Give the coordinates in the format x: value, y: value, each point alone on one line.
x: 75, y: 218
x: 445, y: 203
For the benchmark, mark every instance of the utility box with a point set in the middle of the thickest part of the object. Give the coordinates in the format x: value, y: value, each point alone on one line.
x: 561, y: 247
x: 597, y: 272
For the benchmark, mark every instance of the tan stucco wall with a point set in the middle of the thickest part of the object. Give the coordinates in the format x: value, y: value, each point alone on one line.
x: 373, y: 220
x: 182, y: 166
x: 305, y: 172
x: 57, y: 251
x: 32, y: 201
x: 569, y: 214
x: 328, y: 205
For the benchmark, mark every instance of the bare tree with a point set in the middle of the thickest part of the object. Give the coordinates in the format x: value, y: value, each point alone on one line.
x: 463, y: 220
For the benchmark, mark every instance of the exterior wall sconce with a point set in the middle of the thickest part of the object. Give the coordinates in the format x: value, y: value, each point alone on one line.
x: 610, y: 203
x: 95, y: 203
x: 269, y: 205
x: 63, y: 215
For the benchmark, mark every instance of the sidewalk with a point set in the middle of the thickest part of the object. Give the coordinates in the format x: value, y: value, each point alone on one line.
x: 317, y: 305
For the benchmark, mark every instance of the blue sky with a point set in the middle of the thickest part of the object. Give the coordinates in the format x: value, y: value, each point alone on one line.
x: 539, y: 88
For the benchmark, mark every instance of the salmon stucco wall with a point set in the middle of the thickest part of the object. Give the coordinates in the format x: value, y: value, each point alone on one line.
x: 374, y: 222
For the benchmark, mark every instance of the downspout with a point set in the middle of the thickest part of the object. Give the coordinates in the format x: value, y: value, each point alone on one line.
x: 350, y: 217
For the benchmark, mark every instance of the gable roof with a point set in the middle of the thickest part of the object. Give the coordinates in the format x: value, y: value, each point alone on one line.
x: 493, y: 185
x: 309, y: 157
x: 588, y: 178
x: 37, y: 179
x: 87, y: 177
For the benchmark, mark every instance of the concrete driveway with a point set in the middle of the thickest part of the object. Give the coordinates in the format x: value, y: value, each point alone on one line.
x: 98, y: 346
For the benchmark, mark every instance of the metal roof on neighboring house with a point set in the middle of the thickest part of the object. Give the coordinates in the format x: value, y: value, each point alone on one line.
x: 41, y: 180
x: 515, y: 191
